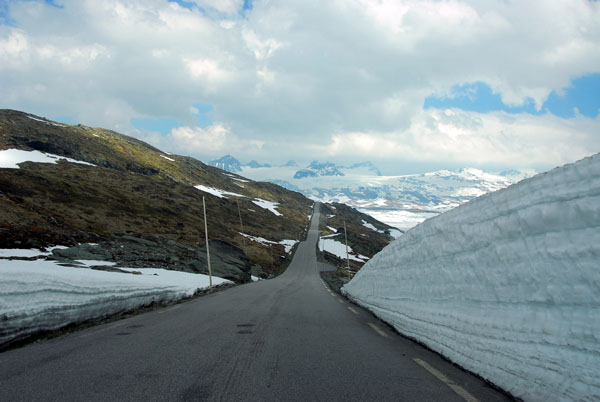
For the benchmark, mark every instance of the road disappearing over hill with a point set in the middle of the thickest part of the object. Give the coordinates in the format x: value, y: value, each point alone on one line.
x: 285, y: 339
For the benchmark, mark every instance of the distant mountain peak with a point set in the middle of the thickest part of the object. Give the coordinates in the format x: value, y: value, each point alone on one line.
x: 228, y: 163
x: 254, y: 164
x: 316, y: 169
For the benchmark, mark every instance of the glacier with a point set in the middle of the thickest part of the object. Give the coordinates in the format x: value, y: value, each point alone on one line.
x: 506, y: 285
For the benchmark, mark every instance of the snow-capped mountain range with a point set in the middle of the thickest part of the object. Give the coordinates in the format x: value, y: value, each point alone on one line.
x: 230, y: 164
x: 402, y: 201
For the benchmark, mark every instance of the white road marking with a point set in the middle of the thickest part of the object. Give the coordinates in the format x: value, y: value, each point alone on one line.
x: 378, y: 330
x: 351, y: 309
x: 340, y: 300
x: 440, y: 376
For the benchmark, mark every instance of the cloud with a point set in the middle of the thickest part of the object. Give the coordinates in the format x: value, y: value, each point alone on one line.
x: 14, y: 50
x: 215, y: 139
x: 464, y: 138
x: 297, y: 76
x: 200, y: 140
x: 209, y: 72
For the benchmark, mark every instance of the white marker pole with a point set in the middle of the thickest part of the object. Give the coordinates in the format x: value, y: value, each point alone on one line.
x: 241, y: 224
x: 347, y: 257
x: 207, y: 250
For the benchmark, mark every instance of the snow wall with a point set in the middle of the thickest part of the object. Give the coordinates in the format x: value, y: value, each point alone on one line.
x: 507, y: 285
x: 40, y: 295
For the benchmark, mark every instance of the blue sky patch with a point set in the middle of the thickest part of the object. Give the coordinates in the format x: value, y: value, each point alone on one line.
x: 53, y: 3
x: 66, y: 120
x: 202, y: 115
x: 190, y: 5
x: 476, y: 97
x: 6, y: 19
x: 248, y: 4
x: 583, y: 95
x: 162, y: 125
x: 186, y: 4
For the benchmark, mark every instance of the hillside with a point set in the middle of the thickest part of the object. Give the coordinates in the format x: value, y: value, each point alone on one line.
x: 506, y: 285
x: 138, y: 206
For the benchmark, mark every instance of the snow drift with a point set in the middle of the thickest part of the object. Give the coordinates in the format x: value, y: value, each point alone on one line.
x: 507, y: 285
x: 41, y: 295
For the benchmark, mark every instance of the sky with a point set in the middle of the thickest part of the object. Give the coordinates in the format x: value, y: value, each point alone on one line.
x: 411, y: 86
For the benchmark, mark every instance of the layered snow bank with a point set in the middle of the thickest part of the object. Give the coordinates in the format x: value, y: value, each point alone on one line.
x: 507, y: 285
x: 41, y: 295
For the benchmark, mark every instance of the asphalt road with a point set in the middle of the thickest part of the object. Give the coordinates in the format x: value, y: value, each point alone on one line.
x: 285, y: 339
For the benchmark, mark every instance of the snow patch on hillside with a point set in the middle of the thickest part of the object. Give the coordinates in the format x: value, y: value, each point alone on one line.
x: 167, y: 158
x: 507, y: 285
x: 217, y: 192
x: 338, y: 249
x: 47, y: 122
x: 288, y: 245
x: 232, y: 177
x: 370, y: 226
x: 11, y: 158
x: 268, y: 205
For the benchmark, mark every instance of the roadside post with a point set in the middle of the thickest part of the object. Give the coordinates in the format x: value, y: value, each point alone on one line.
x: 207, y: 250
x: 347, y: 256
x: 241, y: 224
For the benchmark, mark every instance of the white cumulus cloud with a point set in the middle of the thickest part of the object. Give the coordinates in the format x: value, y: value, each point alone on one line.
x: 202, y: 140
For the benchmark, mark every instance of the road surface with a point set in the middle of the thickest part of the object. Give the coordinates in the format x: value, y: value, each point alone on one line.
x: 285, y: 339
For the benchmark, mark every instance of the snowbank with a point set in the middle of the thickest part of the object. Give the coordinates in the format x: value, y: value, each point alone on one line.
x: 507, y: 285
x: 41, y: 295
